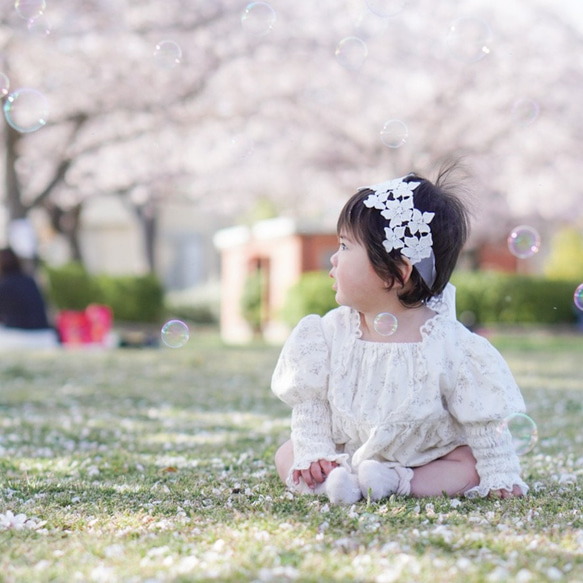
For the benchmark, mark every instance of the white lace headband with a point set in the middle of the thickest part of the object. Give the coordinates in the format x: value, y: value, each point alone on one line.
x: 408, y: 228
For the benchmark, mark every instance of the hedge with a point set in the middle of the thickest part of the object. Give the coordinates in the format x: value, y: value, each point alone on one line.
x: 514, y: 299
x: 482, y: 298
x: 132, y: 298
x: 312, y: 294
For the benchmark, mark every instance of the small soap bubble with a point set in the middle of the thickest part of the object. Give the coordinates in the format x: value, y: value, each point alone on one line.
x: 26, y: 110
x: 385, y: 324
x: 394, y: 133
x: 167, y: 54
x: 469, y: 39
x: 30, y: 9
x: 175, y: 334
x: 351, y: 52
x: 524, y: 112
x: 385, y: 8
x: 523, y: 431
x: 578, y: 297
x: 524, y: 241
x: 258, y: 18
x: 4, y: 85
x: 39, y: 26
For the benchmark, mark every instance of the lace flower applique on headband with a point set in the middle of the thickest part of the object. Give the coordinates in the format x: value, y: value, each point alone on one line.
x: 408, y: 228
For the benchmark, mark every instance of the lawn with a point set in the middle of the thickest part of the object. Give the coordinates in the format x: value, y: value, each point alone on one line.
x: 155, y: 465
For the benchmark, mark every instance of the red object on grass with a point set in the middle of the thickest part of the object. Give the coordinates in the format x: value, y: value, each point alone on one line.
x: 89, y: 326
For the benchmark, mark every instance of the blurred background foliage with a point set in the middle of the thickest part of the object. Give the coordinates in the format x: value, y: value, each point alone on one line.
x: 482, y: 298
x: 131, y: 298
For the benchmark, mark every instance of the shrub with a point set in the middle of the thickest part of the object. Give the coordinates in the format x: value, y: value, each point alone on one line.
x: 71, y: 287
x: 508, y: 298
x: 490, y: 297
x: 312, y: 294
x: 132, y: 298
x: 252, y: 300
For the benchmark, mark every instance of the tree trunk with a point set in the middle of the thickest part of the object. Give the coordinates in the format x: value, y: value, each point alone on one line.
x: 68, y: 223
x: 16, y: 208
x: 148, y: 218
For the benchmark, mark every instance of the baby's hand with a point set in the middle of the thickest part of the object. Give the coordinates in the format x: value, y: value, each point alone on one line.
x: 315, y: 474
x: 516, y: 491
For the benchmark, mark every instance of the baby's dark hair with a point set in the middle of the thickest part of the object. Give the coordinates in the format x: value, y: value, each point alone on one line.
x: 449, y: 231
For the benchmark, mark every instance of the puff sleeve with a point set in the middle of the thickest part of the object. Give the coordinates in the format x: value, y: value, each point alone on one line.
x: 484, y: 394
x: 300, y: 379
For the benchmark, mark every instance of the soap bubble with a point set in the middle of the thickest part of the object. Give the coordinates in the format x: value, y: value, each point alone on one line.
x: 167, y: 54
x: 385, y: 324
x: 175, y: 334
x: 468, y: 39
x: 523, y: 431
x: 258, y: 18
x: 39, y: 26
x: 524, y: 112
x: 30, y: 9
x: 578, y: 297
x: 524, y: 241
x: 394, y: 133
x: 26, y: 110
x: 385, y: 8
x: 351, y: 52
x: 4, y: 85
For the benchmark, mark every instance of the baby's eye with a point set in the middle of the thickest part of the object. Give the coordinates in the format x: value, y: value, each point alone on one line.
x: 342, y: 246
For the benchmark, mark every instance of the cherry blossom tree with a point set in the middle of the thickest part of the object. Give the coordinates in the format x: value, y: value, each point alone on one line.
x: 223, y: 103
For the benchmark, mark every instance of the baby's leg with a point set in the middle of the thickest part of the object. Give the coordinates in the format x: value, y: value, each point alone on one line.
x: 453, y: 474
x: 284, y: 459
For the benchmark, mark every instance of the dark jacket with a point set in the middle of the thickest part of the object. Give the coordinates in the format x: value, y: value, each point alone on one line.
x: 21, y: 303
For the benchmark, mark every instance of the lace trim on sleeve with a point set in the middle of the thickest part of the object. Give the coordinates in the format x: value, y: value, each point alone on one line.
x: 496, y: 462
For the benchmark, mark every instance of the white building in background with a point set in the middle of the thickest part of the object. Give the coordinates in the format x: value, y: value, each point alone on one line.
x: 111, y: 239
x: 112, y: 242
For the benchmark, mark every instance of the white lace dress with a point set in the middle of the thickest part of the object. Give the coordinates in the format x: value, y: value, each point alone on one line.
x: 402, y: 403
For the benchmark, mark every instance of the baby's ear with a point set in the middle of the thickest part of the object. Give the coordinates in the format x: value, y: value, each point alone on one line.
x: 406, y: 270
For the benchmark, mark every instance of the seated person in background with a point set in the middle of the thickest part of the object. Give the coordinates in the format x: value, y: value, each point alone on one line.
x: 23, y: 317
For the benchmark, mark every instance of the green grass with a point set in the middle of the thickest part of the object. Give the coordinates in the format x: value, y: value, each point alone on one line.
x: 156, y: 465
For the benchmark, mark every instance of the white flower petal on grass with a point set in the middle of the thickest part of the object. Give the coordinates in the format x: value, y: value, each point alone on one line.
x: 498, y: 574
x: 463, y: 563
x: 567, y: 479
x: 115, y: 550
x: 554, y: 574
x: 523, y: 576
x: 16, y: 522
x: 279, y: 574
